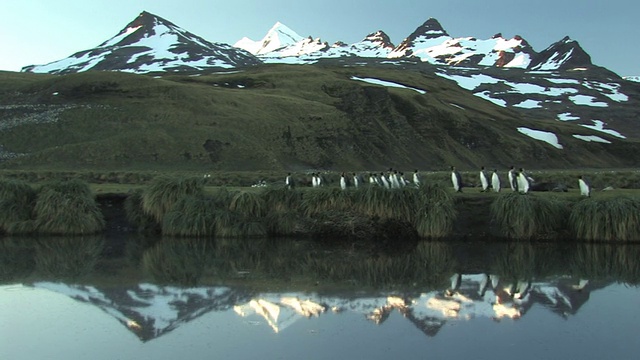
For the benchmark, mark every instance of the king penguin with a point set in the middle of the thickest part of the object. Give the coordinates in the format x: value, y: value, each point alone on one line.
x: 495, y: 181
x: 585, y: 189
x: 456, y: 179
x: 483, y: 180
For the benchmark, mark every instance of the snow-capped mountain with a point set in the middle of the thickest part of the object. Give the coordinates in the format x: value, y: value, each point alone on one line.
x: 281, y: 41
x: 431, y: 43
x: 150, y: 43
x: 281, y: 44
x: 562, y: 55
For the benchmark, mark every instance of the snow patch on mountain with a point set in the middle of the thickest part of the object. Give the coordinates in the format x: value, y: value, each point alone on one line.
x: 548, y: 137
x: 590, y: 138
x: 387, y: 83
x: 598, y: 125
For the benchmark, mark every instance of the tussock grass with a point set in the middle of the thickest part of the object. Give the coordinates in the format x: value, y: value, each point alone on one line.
x: 193, y: 216
x: 164, y: 192
x: 527, y: 216
x: 384, y: 203
x: 249, y: 204
x: 67, y: 208
x: 17, y: 201
x: 278, y: 199
x: 68, y: 257
x: 326, y: 199
x: 283, y: 223
x: 612, y: 219
x: 435, y: 212
x: 136, y: 215
x: 178, y: 261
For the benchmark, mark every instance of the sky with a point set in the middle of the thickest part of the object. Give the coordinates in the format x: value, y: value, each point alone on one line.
x: 41, y: 31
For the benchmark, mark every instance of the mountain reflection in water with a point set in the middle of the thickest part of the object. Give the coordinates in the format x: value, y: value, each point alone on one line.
x: 152, y: 287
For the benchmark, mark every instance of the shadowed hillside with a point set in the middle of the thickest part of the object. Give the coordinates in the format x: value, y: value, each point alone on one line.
x: 276, y: 117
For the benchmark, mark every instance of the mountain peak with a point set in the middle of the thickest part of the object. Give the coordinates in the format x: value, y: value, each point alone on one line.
x: 150, y: 43
x: 563, y: 54
x: 431, y: 29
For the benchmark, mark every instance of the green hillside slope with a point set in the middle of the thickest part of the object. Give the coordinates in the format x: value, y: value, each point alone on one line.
x: 275, y: 117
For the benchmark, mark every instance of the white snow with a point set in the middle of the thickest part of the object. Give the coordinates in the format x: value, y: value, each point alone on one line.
x: 567, y: 117
x: 563, y: 81
x: 548, y: 137
x: 526, y: 88
x: 632, y: 78
x: 529, y: 104
x: 554, y: 62
x: 453, y: 51
x: 587, y: 101
x: 610, y: 90
x: 116, y: 39
x: 387, y: 83
x: 593, y: 138
x: 598, y: 125
x: 487, y: 96
x: 470, y: 82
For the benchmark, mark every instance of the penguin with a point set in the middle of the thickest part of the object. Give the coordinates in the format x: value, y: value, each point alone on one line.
x: 356, y: 180
x: 585, y: 189
x: 495, y: 181
x: 372, y: 179
x: 384, y: 180
x: 288, y: 181
x: 416, y: 178
x: 523, y: 182
x: 394, y: 179
x: 483, y: 180
x: 456, y: 179
x: 343, y: 182
x: 314, y: 180
x: 512, y: 178
x: 402, y: 180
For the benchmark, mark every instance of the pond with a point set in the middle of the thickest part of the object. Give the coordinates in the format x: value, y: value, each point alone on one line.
x: 125, y: 297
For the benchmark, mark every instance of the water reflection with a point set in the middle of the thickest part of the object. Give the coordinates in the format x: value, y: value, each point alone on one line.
x: 432, y: 285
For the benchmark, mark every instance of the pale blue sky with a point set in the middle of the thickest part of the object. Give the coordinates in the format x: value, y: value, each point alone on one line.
x: 41, y: 31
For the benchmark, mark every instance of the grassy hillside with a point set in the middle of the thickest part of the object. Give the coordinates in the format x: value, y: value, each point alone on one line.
x: 274, y: 117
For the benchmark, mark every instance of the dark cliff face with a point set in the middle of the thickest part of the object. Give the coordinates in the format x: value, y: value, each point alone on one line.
x: 565, y: 54
x: 431, y: 29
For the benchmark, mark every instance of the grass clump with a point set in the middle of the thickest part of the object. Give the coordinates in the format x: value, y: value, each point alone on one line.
x: 67, y: 208
x: 435, y: 212
x: 136, y: 215
x: 326, y: 200
x: 164, y: 192
x: 527, y: 216
x: 17, y: 201
x: 611, y: 219
x: 249, y: 204
x: 191, y: 216
x: 383, y: 203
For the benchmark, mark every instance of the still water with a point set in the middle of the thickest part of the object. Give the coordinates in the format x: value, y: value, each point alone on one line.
x: 133, y: 298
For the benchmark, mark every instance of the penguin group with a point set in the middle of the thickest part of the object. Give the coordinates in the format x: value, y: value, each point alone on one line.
x: 518, y: 179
